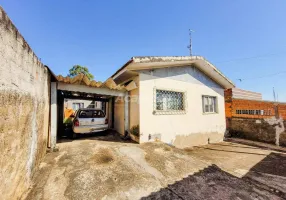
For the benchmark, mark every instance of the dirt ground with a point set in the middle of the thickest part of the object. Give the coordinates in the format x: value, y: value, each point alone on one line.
x: 106, y: 167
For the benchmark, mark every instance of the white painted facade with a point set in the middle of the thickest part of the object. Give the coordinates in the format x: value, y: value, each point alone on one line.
x: 192, y: 127
x: 68, y: 104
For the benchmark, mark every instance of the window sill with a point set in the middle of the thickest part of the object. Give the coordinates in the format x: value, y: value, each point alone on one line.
x: 210, y: 113
x: 169, y: 112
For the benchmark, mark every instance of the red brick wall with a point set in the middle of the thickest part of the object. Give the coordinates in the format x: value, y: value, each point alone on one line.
x: 242, y: 104
x: 228, y: 94
x: 282, y: 110
x: 228, y: 99
x: 231, y: 105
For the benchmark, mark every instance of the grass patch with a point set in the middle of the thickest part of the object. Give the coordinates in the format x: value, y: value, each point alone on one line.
x: 103, y: 156
x: 167, y: 148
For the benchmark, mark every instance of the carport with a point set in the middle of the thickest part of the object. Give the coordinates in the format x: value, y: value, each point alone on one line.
x: 80, y: 87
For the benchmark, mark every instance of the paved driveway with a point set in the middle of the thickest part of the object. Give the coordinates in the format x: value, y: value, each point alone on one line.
x: 105, y: 167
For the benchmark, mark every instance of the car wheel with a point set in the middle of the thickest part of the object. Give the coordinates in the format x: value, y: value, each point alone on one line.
x: 74, y: 136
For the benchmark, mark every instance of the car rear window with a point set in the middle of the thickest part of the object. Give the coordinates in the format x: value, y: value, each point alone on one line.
x: 91, y: 114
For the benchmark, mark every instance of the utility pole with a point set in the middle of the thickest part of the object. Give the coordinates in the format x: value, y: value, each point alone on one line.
x: 190, y: 45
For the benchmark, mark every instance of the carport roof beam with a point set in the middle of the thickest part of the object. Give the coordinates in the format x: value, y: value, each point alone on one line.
x: 91, y: 90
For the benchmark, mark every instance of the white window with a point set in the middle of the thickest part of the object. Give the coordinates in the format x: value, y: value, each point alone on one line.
x: 169, y: 101
x: 209, y: 104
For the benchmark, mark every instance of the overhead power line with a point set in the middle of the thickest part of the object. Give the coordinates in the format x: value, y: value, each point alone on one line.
x: 258, y: 77
x: 252, y: 57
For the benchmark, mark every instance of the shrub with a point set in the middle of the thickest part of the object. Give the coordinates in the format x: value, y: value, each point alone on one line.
x: 135, y: 130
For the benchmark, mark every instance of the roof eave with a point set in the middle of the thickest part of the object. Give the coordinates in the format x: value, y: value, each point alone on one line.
x: 199, y: 62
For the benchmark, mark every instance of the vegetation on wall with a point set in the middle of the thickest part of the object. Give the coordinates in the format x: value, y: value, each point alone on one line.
x: 77, y: 69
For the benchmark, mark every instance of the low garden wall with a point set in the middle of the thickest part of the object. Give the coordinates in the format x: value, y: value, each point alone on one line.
x: 269, y: 130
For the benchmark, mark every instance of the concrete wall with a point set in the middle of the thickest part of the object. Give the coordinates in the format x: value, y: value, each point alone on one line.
x: 24, y: 111
x: 119, y: 115
x: 268, y: 130
x: 190, y: 128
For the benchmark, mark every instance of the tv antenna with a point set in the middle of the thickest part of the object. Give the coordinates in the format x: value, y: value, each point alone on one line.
x: 190, y: 45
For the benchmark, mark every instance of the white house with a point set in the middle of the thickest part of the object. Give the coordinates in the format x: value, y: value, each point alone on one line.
x: 178, y: 100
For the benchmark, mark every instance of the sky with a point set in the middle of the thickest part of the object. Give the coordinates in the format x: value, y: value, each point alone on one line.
x: 243, y: 39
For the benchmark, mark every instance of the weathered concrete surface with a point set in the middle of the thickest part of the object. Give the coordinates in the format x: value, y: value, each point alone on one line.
x: 24, y: 110
x: 196, y: 139
x: 270, y: 130
x: 282, y: 139
x: 104, y: 167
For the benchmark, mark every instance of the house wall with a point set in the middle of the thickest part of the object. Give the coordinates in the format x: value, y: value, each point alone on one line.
x: 182, y: 130
x: 134, y: 105
x: 119, y: 115
x: 24, y: 111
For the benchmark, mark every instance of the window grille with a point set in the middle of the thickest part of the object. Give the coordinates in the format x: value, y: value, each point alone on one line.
x: 209, y: 104
x: 169, y: 102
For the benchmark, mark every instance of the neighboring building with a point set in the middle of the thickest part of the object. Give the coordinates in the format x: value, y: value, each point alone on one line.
x: 72, y: 105
x: 250, y: 117
x: 75, y: 104
x: 246, y: 104
x: 178, y: 100
x: 244, y: 94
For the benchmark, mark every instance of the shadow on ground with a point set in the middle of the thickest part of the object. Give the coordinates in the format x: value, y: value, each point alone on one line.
x: 109, y: 136
x: 254, y: 144
x: 214, y: 183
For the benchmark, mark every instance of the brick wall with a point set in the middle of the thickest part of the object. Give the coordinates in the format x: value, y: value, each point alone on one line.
x: 228, y: 100
x: 282, y: 110
x: 257, y: 120
x: 270, y: 109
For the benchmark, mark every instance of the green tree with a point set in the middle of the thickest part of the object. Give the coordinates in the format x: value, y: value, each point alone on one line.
x: 77, y: 69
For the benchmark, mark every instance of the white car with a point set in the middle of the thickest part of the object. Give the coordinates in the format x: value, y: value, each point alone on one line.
x: 89, y: 120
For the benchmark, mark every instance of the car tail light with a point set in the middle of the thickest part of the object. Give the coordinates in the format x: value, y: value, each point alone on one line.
x: 76, y: 122
x: 106, y: 121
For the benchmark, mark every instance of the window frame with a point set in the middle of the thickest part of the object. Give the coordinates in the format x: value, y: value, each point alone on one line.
x: 215, y: 110
x: 169, y: 112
